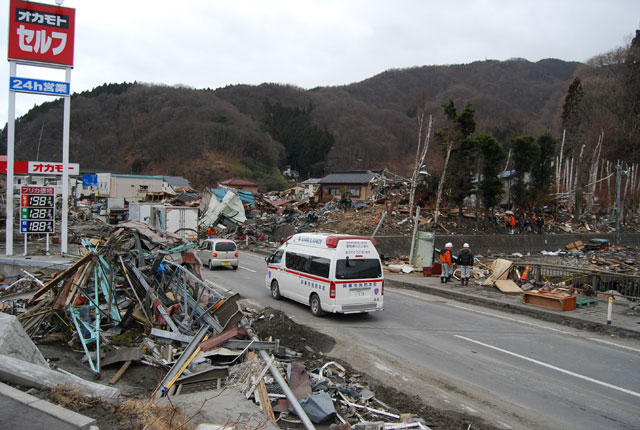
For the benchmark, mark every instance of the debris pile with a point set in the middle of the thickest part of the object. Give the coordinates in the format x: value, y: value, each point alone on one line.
x: 138, y: 296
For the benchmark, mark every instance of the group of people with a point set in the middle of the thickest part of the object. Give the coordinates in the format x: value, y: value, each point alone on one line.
x: 464, y: 261
x: 525, y: 223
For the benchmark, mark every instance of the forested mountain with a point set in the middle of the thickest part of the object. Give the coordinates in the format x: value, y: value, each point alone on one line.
x: 207, y: 135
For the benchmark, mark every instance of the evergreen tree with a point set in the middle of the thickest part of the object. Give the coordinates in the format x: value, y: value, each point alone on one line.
x: 492, y: 155
x: 461, y: 147
x: 306, y: 144
x: 525, y: 153
x: 542, y: 175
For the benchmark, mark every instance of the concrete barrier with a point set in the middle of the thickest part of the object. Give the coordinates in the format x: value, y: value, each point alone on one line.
x: 14, y: 342
x: 485, y: 244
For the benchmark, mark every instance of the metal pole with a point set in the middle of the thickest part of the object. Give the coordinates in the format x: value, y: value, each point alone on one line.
x: 415, y: 232
x: 11, y: 135
x: 384, y: 215
x: 65, y: 167
x: 618, y: 213
x: 283, y: 384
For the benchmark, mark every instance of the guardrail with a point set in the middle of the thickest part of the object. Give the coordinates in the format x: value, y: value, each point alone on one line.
x: 599, y: 280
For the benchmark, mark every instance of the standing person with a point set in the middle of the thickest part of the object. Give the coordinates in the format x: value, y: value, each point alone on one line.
x: 540, y: 223
x: 465, y: 261
x: 512, y: 224
x: 211, y: 232
x: 445, y: 261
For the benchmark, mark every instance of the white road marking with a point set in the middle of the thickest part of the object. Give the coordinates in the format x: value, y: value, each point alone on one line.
x: 246, y: 268
x: 614, y: 344
x: 559, y: 369
x: 536, y: 325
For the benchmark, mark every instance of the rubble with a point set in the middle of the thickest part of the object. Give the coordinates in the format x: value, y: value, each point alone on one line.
x: 137, y: 295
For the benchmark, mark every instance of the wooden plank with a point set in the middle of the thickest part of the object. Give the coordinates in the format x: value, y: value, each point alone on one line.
x: 60, y: 276
x: 508, y: 286
x: 261, y: 388
x: 120, y: 372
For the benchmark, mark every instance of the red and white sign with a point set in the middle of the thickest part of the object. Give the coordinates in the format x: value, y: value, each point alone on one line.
x: 40, y: 191
x: 39, y: 168
x: 44, y: 168
x: 41, y: 33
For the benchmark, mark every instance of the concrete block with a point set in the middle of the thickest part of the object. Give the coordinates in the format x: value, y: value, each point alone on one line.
x: 225, y: 406
x: 16, y: 343
x: 16, y: 394
x: 24, y: 373
x: 73, y: 418
x: 375, y: 425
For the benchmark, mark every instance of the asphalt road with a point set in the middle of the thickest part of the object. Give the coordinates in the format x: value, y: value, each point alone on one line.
x: 515, y: 372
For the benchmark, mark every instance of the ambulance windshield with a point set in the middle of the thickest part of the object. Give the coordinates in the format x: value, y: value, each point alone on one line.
x: 352, y: 268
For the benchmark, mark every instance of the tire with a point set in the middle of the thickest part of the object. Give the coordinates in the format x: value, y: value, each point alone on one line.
x: 235, y: 267
x: 316, y: 307
x: 210, y: 265
x: 275, y: 290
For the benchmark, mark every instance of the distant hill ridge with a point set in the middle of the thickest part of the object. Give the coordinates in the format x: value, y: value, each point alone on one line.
x: 207, y: 135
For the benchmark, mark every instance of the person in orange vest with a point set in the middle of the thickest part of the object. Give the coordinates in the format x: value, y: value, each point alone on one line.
x: 211, y: 232
x: 445, y: 261
x: 512, y: 224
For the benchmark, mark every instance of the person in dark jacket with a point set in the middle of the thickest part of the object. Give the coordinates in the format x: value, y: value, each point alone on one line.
x: 465, y: 261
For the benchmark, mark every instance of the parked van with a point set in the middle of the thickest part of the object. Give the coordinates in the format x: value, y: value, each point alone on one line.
x: 218, y: 252
x: 329, y: 272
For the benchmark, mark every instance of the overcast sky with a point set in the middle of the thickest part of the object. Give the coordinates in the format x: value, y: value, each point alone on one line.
x: 309, y: 43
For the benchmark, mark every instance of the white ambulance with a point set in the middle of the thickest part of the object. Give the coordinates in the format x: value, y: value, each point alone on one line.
x: 329, y: 272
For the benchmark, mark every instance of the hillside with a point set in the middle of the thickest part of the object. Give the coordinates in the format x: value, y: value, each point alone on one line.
x: 206, y: 135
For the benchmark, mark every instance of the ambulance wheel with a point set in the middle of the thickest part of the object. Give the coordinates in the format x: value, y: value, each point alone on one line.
x: 210, y: 265
x: 316, y: 308
x: 235, y: 267
x: 275, y: 290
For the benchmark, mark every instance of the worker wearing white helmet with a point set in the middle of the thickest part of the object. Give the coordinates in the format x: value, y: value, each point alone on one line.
x: 465, y: 261
x: 445, y: 261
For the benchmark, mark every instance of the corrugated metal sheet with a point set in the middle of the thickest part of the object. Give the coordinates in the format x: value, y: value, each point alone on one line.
x: 245, y: 196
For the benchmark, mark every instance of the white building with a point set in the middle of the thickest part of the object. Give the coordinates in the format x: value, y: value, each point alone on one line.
x: 134, y: 188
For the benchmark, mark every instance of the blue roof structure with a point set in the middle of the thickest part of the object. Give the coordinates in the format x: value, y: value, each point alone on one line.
x: 245, y: 196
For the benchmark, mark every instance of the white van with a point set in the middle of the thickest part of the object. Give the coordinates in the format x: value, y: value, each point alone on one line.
x: 329, y: 272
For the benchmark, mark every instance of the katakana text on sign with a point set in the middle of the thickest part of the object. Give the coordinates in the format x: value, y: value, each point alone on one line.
x: 41, y: 33
x: 39, y: 86
x: 52, y: 168
x: 37, y: 210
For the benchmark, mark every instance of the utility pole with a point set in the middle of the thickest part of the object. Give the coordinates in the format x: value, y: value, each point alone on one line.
x: 618, y: 212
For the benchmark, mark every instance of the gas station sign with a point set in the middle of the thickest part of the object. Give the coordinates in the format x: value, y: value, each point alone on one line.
x: 42, y: 33
x: 37, y: 210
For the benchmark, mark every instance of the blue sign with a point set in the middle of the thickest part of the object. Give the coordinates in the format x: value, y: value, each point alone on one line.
x: 39, y: 86
x: 89, y: 180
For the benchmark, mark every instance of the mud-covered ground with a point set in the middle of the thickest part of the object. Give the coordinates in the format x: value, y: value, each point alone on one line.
x: 315, y: 349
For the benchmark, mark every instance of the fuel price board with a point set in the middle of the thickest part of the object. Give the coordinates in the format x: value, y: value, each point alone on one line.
x: 37, y: 210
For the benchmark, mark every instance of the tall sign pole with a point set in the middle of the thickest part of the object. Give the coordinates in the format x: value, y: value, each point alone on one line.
x: 64, y: 228
x: 39, y: 35
x: 10, y: 159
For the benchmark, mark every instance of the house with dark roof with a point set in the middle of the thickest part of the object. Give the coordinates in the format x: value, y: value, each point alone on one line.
x: 175, y: 184
x: 358, y: 182
x: 239, y: 184
x: 310, y: 186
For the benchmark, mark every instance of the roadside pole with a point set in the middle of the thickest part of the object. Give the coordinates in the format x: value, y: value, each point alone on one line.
x: 65, y: 167
x: 11, y: 134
